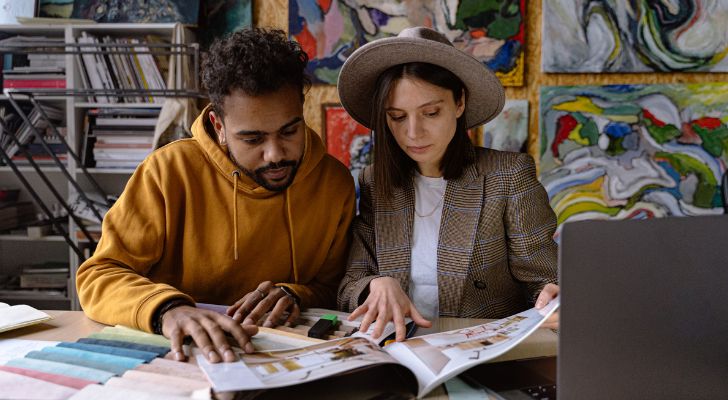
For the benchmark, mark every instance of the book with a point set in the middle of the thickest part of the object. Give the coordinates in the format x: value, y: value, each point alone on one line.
x: 18, y: 316
x: 430, y: 360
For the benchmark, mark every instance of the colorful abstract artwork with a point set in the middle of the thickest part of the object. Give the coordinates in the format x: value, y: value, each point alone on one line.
x: 508, y: 131
x: 183, y: 11
x: 330, y: 30
x: 219, y: 18
x: 635, y: 36
x: 55, y: 8
x: 634, y: 151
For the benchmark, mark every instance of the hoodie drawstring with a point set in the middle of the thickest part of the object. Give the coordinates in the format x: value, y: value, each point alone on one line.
x: 236, y: 175
x: 293, y: 241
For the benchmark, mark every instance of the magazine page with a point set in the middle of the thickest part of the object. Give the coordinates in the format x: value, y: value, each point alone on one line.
x: 438, y: 357
x: 267, y: 370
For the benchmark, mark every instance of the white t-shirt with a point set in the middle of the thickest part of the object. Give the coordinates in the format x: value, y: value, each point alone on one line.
x: 429, y: 194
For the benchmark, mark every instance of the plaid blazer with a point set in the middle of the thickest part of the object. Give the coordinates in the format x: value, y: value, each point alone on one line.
x: 495, y: 250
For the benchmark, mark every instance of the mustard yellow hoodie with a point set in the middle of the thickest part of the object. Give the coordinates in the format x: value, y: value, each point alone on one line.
x: 172, y: 233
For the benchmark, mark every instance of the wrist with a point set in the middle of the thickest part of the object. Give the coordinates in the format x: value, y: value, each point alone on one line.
x: 158, y: 320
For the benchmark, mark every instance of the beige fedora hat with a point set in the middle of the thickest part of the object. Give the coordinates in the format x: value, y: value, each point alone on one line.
x: 358, y: 77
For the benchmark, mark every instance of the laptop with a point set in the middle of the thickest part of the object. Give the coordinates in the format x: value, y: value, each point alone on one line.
x: 644, y: 309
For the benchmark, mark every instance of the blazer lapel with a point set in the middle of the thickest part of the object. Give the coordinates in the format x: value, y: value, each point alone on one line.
x: 394, y: 218
x: 460, y: 216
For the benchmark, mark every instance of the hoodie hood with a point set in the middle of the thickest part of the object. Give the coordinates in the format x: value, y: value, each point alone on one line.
x: 218, y: 156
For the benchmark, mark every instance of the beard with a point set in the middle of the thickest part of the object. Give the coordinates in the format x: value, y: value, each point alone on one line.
x: 260, y: 179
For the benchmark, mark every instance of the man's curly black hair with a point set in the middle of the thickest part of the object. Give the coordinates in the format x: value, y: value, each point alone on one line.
x: 255, y: 60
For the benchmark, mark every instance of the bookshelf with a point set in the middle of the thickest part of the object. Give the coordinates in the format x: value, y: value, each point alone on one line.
x: 17, y: 249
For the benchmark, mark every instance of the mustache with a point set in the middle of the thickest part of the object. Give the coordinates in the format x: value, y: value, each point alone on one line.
x: 279, y: 164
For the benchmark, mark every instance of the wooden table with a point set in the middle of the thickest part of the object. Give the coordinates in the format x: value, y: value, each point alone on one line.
x: 539, y: 349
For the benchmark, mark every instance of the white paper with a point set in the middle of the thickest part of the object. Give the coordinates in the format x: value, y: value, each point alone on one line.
x: 21, y: 315
x: 17, y: 348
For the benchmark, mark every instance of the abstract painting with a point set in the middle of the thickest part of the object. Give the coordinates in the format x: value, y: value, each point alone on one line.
x: 508, y: 131
x: 55, y: 8
x: 219, y: 18
x: 635, y: 36
x: 330, y: 30
x: 634, y: 151
x: 183, y: 11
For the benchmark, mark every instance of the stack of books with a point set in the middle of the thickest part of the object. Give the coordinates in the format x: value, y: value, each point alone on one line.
x: 15, y: 214
x: 118, y: 137
x: 116, y: 69
x: 23, y: 131
x: 39, y: 154
x: 34, y: 71
x: 49, y: 275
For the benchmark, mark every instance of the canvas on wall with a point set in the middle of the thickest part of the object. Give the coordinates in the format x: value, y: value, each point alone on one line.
x: 183, y: 11
x: 330, y: 30
x: 508, y: 131
x: 634, y: 36
x: 634, y: 151
x: 55, y: 8
x: 219, y: 18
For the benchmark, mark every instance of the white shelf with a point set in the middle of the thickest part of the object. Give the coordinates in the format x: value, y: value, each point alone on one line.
x: 27, y: 168
x: 25, y: 238
x: 22, y: 97
x: 117, y: 171
x: 117, y: 105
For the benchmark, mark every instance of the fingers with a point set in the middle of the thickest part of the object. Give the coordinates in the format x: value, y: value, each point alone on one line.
x: 549, y: 292
x: 176, y: 339
x: 202, y: 340
x: 552, y: 322
x: 293, y: 316
x: 369, y: 317
x: 418, y: 318
x: 221, y: 348
x: 400, y: 328
x: 359, y: 311
x: 241, y: 334
x: 382, y: 319
x: 260, y: 309
x: 243, y: 307
x: 233, y: 308
x: 283, y: 304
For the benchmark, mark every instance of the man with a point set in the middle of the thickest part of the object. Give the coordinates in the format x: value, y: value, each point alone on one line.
x: 249, y: 211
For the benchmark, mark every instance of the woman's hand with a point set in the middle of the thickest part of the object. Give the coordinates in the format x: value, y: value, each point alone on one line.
x: 387, y: 302
x: 549, y: 292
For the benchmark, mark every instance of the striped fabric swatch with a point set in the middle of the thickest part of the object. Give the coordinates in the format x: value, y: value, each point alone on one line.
x: 53, y: 367
x: 173, y: 368
x: 145, y: 356
x: 15, y: 386
x: 159, y: 350
x: 95, y: 392
x: 167, y: 380
x: 68, y: 381
x: 115, y: 364
x: 130, y: 338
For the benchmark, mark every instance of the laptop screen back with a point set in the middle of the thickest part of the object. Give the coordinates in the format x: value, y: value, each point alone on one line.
x: 644, y: 309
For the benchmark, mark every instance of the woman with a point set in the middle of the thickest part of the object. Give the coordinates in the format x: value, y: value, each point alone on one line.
x: 464, y: 232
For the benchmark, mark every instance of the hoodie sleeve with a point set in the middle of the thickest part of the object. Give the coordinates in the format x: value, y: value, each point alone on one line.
x: 321, y: 291
x: 362, y: 266
x: 112, y: 285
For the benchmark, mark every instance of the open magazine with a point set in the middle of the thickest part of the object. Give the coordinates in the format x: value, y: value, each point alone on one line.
x: 431, y: 359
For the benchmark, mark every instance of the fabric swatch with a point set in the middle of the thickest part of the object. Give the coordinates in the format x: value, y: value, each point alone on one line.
x: 167, y: 380
x: 145, y: 356
x: 148, y: 387
x: 159, y: 350
x: 15, y: 386
x: 174, y: 368
x: 80, y: 360
x: 130, y: 338
x: 74, y: 383
x: 95, y: 392
x: 52, y: 367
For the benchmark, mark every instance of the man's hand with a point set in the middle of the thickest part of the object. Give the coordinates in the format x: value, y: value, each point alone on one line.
x: 266, y: 297
x: 387, y: 302
x: 549, y: 292
x: 207, y: 329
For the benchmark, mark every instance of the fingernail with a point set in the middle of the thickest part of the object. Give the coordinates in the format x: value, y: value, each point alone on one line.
x: 268, y: 324
x: 179, y: 356
x: 249, y: 348
x: 287, y: 324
